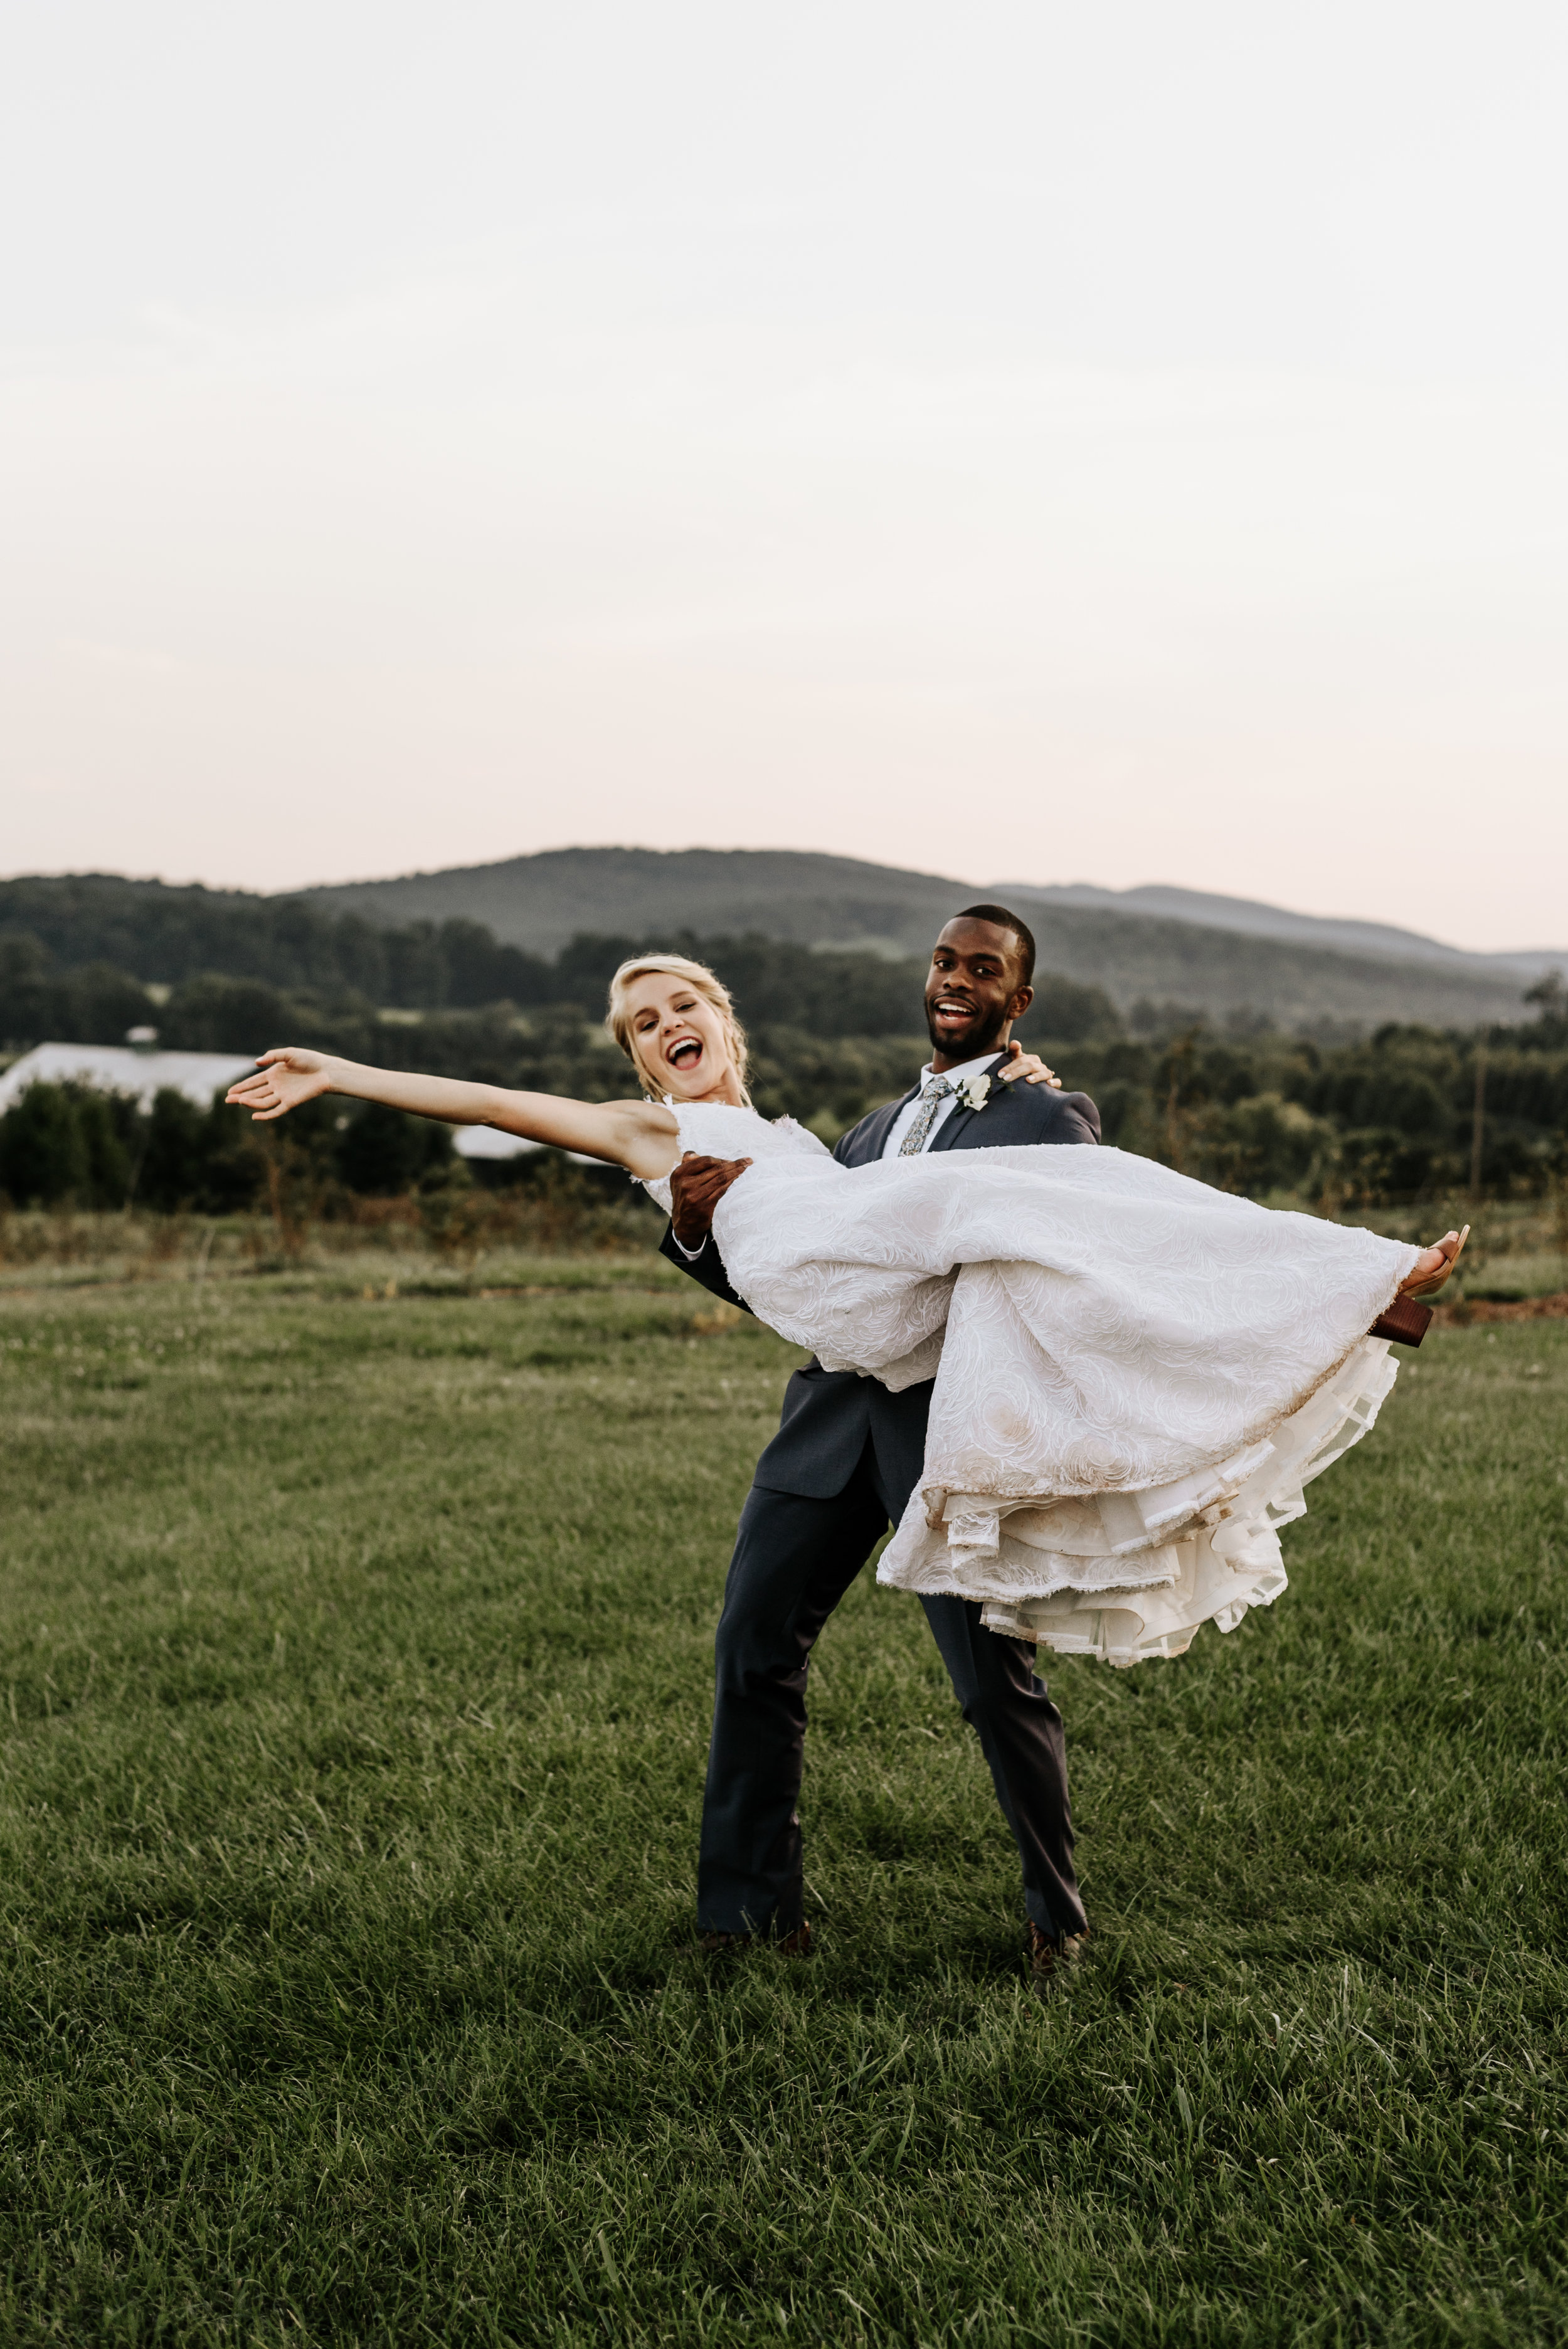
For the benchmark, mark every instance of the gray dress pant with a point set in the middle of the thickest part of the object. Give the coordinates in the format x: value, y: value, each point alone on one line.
x: 795, y: 1557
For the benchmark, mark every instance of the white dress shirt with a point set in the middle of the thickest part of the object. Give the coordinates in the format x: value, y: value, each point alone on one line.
x: 956, y: 1077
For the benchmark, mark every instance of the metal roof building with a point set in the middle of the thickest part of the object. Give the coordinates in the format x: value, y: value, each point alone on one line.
x: 118, y: 1069
x: 142, y: 1072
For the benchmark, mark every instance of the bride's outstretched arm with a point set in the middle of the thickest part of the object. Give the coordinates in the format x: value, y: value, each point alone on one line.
x: 640, y: 1135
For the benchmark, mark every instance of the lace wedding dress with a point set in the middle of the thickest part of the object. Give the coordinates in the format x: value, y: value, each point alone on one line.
x: 1136, y: 1375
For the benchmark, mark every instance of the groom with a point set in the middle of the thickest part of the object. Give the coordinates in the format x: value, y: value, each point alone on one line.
x: 846, y: 1458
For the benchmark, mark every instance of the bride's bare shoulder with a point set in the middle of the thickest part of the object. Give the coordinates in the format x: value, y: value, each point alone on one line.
x: 649, y: 1132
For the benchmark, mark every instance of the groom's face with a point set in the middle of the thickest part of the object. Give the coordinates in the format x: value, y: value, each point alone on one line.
x: 974, y: 992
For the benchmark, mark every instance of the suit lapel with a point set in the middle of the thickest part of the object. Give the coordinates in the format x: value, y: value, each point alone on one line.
x: 871, y: 1140
x: 958, y: 1120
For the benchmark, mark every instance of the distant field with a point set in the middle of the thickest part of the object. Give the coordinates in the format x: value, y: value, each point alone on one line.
x: 1516, y: 1248
x: 355, y: 1655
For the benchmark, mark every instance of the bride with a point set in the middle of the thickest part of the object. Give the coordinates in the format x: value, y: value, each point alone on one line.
x: 1135, y: 1375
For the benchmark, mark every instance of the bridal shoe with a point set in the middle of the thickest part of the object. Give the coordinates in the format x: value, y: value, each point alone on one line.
x: 1435, y: 1280
x: 1407, y: 1321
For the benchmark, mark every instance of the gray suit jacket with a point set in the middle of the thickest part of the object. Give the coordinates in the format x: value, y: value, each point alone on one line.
x: 828, y: 1415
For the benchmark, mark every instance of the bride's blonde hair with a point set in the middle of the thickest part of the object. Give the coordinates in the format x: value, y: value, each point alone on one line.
x: 701, y: 981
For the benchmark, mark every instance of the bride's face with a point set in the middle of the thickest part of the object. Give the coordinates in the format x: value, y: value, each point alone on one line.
x: 679, y: 1036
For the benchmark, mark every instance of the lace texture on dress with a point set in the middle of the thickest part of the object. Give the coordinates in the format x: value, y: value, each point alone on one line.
x: 1203, y: 1550
x: 1135, y: 1374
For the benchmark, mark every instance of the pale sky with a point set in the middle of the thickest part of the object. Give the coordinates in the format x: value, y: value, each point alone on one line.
x: 1122, y: 443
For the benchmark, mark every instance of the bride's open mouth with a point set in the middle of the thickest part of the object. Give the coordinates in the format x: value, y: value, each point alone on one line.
x: 684, y: 1054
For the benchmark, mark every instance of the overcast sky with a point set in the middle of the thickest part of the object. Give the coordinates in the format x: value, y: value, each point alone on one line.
x: 1121, y: 443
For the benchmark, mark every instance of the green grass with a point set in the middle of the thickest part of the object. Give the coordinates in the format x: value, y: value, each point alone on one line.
x: 355, y: 1658
x: 1517, y: 1247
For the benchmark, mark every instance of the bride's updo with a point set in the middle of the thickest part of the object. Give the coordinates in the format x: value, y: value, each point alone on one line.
x: 702, y: 981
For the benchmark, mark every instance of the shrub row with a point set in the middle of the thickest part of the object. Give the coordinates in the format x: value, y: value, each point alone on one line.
x: 459, y: 966
x: 1389, y: 1117
x: 66, y: 1145
x: 60, y: 1144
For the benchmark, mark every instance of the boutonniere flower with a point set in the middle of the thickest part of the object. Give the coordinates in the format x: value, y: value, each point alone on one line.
x: 974, y: 1092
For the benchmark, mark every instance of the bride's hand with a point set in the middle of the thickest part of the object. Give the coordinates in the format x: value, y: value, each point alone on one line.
x: 1433, y: 1267
x: 284, y: 1080
x: 1028, y: 1065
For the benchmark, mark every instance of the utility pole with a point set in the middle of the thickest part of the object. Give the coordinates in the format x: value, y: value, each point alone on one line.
x: 1478, y: 1123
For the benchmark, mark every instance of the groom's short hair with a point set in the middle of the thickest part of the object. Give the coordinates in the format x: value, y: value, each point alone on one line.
x: 1003, y: 920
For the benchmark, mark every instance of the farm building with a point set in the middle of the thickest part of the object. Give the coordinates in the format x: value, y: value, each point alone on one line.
x: 122, y: 1068
x: 143, y: 1071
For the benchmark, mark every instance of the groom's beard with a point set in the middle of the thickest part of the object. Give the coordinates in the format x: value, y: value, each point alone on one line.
x: 982, y: 1036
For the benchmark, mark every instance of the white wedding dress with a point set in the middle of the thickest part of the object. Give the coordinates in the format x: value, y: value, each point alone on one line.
x: 1136, y: 1375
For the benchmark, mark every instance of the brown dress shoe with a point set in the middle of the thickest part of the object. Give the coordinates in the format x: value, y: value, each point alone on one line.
x: 797, y: 1945
x: 1051, y: 1959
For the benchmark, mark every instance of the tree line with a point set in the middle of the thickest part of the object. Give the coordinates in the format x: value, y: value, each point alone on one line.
x: 85, y: 959
x: 66, y: 1145
x: 284, y: 960
x: 1407, y: 1113
x: 1390, y: 1117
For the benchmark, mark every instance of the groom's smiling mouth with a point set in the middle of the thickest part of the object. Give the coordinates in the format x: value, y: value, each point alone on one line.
x: 953, y: 1011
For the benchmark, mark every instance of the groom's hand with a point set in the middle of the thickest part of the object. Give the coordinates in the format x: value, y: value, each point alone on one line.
x: 697, y: 1187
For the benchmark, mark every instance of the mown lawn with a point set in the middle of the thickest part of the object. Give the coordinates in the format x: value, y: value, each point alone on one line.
x: 355, y: 1655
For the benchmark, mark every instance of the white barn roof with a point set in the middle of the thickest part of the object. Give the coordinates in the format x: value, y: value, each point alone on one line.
x: 116, y: 1069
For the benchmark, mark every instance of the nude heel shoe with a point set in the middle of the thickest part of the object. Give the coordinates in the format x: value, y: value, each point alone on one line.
x: 1407, y: 1321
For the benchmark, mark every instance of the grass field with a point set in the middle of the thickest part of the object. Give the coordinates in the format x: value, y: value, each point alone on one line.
x: 355, y: 1658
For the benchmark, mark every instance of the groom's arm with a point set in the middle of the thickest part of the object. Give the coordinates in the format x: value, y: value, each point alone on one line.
x: 1028, y: 1116
x: 1035, y: 1116
x: 706, y: 1267
x: 1080, y: 1119
x: 697, y: 1187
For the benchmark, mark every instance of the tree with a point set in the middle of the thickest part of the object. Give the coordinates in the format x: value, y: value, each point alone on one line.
x: 382, y: 1153
x: 44, y: 1155
x: 173, y: 1163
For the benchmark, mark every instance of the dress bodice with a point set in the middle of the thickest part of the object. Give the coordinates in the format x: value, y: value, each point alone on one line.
x: 714, y: 1130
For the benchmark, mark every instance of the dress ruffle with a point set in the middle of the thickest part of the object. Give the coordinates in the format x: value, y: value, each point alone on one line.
x: 1128, y: 1577
x: 1136, y: 1376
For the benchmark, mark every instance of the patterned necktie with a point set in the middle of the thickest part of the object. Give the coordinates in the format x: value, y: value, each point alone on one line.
x: 919, y: 1133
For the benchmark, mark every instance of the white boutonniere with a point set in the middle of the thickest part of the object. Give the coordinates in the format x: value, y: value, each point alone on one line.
x: 974, y: 1092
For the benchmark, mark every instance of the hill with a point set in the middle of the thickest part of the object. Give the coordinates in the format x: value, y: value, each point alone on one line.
x: 1291, y: 976
x: 483, y: 934
x: 1251, y: 917
x: 542, y: 901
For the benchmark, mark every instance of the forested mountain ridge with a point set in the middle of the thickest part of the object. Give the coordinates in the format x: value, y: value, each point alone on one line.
x: 844, y: 900
x: 1254, y: 918
x: 162, y: 936
x: 1252, y: 1106
x: 816, y: 900
x: 456, y: 969
x: 489, y: 933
